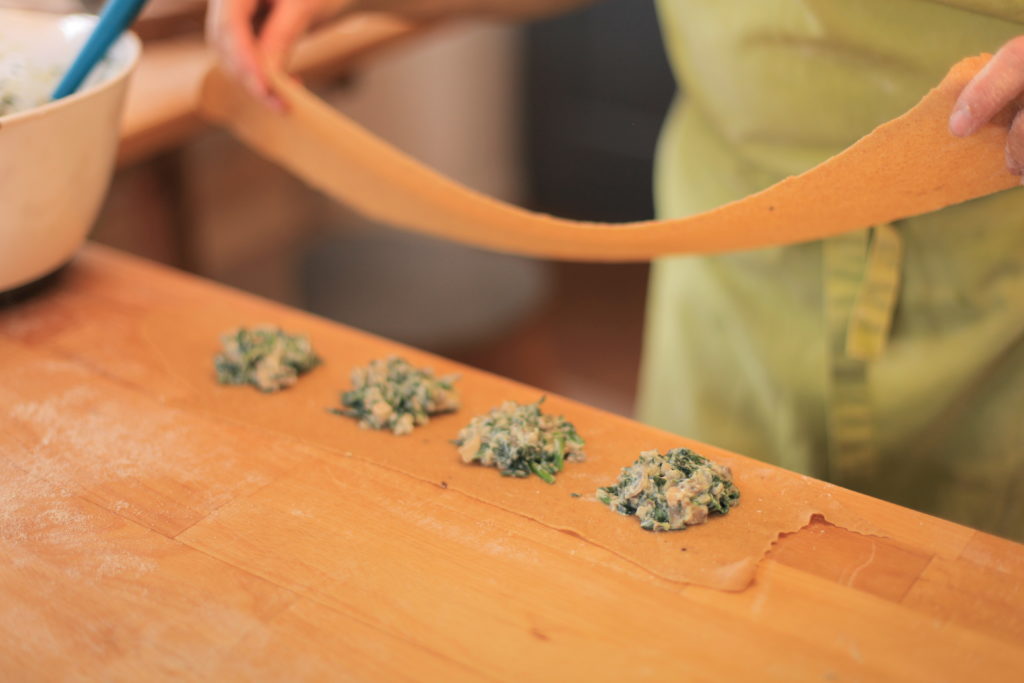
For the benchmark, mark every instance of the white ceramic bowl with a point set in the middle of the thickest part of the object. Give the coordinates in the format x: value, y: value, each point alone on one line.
x: 56, y: 159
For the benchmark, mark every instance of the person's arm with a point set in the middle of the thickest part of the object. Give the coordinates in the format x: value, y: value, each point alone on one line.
x: 998, y: 85
x: 247, y: 54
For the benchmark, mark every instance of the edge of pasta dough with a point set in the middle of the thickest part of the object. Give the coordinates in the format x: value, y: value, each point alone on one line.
x: 723, y: 553
x: 905, y: 167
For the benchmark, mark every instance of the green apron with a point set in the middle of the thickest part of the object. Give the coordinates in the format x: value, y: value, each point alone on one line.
x: 890, y: 360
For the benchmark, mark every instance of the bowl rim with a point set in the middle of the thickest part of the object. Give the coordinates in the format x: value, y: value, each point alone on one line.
x: 113, y: 81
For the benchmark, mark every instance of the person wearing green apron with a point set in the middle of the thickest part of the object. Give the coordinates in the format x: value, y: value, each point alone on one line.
x: 888, y: 360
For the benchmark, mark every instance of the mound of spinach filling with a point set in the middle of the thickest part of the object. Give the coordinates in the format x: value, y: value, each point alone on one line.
x: 392, y: 394
x: 671, y: 491
x: 263, y: 356
x: 519, y: 439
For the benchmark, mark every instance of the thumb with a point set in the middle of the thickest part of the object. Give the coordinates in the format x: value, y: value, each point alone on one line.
x: 285, y: 25
x: 229, y: 31
x: 997, y: 84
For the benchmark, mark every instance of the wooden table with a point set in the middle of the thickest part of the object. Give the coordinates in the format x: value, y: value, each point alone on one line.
x: 146, y: 534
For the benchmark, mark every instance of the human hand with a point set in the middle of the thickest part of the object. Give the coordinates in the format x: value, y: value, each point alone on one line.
x: 248, y: 51
x: 254, y: 37
x: 1000, y: 83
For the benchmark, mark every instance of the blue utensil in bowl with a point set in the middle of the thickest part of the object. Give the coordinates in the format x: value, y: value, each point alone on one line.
x: 116, y: 17
x: 56, y: 156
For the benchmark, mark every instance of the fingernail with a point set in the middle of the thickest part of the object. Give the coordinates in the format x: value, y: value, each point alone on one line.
x: 960, y: 121
x: 253, y: 85
x: 277, y: 104
x: 1012, y: 163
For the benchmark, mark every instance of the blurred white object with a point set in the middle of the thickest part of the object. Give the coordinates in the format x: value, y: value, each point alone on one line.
x: 451, y: 99
x: 56, y: 158
x: 433, y: 295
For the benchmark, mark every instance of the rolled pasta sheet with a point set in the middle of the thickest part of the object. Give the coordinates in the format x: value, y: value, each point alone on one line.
x: 908, y: 166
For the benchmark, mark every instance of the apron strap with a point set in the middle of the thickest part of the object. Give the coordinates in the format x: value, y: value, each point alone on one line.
x: 871, y: 318
x: 861, y: 278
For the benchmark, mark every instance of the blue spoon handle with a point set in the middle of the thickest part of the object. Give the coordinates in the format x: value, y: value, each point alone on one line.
x: 116, y: 16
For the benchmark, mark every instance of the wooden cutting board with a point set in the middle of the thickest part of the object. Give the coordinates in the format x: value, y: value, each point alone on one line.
x: 155, y: 525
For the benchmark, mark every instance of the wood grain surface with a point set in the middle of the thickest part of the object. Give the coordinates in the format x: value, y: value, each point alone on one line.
x: 147, y: 532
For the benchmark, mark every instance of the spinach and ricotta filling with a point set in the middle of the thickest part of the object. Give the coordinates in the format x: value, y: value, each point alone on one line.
x: 263, y: 356
x: 392, y: 394
x: 519, y: 439
x: 13, y: 102
x: 671, y: 491
x: 25, y: 85
x: 8, y: 103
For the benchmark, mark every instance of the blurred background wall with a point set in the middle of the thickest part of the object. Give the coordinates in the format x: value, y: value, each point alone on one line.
x: 561, y: 116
